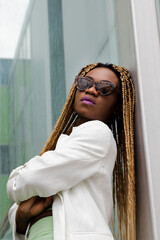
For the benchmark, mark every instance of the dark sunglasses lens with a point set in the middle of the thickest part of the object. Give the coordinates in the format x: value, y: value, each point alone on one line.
x: 84, y: 83
x: 104, y: 88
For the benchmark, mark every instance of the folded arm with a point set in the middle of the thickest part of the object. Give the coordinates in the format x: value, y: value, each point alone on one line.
x: 20, y: 215
x: 78, y: 158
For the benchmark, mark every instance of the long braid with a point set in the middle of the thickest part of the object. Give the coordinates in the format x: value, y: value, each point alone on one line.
x: 62, y: 121
x: 123, y: 131
x: 124, y: 171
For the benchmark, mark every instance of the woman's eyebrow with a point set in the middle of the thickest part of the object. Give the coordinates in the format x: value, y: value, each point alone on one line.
x: 90, y: 77
x: 100, y: 80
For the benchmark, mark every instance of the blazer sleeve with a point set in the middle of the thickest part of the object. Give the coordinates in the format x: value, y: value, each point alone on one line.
x: 73, y: 161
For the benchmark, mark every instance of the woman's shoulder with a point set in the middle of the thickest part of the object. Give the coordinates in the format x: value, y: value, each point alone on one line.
x: 96, y: 135
x: 93, y: 124
x: 93, y: 129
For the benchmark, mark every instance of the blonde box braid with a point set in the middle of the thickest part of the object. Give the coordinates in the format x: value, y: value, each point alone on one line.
x: 123, y: 130
x: 124, y: 172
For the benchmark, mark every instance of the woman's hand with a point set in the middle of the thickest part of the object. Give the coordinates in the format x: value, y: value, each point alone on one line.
x: 29, y: 209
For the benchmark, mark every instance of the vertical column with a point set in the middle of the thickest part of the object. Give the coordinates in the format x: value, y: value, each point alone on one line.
x: 140, y: 53
x: 5, y: 65
x: 148, y: 67
x: 57, y: 68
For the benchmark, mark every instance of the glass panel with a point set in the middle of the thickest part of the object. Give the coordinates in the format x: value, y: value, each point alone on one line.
x: 89, y: 35
x: 11, y: 21
x: 26, y: 116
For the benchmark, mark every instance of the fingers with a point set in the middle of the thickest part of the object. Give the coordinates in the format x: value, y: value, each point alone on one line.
x: 34, y: 206
x: 24, y: 214
x: 29, y: 202
x: 48, y: 202
x: 40, y: 205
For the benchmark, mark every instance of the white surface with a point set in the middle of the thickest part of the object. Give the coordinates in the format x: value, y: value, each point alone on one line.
x: 12, y: 14
x: 148, y: 67
x: 140, y: 53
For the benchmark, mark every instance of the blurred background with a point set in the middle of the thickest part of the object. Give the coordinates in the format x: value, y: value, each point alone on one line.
x: 43, y: 45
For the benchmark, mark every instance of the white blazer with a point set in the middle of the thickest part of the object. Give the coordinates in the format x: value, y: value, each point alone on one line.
x: 78, y: 173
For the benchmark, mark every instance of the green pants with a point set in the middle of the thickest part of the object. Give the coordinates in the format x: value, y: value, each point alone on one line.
x: 42, y: 229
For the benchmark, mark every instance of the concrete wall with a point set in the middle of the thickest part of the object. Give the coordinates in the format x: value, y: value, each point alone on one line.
x: 140, y: 53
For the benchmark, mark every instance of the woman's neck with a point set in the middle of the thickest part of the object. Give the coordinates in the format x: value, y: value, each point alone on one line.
x: 80, y: 120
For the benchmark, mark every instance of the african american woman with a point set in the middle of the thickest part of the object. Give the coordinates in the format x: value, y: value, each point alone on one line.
x: 86, y: 169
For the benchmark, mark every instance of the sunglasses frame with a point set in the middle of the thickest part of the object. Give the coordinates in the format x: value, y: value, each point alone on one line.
x: 114, y: 86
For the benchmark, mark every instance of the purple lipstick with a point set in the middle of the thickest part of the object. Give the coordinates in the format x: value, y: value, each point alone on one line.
x: 88, y: 100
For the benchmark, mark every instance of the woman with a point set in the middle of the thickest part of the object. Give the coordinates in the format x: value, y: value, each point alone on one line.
x: 74, y: 170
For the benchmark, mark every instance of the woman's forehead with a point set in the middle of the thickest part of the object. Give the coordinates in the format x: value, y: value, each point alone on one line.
x: 101, y: 73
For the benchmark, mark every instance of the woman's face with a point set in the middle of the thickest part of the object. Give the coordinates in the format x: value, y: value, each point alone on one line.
x: 104, y: 106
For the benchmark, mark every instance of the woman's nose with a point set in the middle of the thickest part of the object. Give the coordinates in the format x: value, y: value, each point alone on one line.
x: 92, y: 90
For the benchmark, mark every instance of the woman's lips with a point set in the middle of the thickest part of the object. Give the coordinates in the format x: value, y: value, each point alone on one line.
x: 88, y: 100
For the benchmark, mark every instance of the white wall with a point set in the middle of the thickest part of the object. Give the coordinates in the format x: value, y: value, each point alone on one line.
x: 140, y: 53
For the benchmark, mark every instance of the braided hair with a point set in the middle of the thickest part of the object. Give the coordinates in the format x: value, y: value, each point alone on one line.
x: 123, y: 130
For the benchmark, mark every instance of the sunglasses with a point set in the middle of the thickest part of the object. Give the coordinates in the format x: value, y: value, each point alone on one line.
x: 103, y: 87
